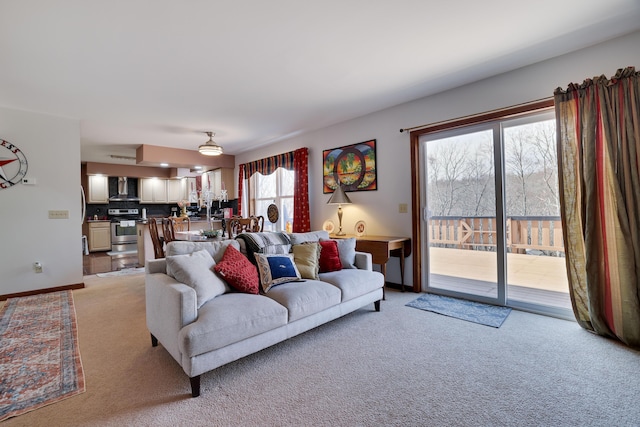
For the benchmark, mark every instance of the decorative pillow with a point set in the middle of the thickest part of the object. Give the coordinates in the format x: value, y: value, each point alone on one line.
x: 347, y: 251
x: 196, y: 270
x: 307, y: 256
x: 238, y: 271
x: 275, y: 269
x: 329, y: 256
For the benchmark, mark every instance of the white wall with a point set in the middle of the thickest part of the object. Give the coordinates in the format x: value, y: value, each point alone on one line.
x: 380, y: 208
x: 52, y: 148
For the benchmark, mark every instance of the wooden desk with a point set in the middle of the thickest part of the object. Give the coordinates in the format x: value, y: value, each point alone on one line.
x: 381, y: 248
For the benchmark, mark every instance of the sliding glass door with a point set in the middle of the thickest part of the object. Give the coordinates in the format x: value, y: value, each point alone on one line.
x: 461, y: 213
x: 491, y: 226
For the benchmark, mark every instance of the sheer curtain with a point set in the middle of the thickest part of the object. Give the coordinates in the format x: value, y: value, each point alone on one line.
x: 598, y: 126
x: 296, y: 161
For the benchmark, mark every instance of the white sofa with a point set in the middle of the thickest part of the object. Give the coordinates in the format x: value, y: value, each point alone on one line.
x: 234, y: 324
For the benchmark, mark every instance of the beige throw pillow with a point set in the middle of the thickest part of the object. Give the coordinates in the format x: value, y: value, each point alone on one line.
x: 306, y: 257
x: 196, y: 270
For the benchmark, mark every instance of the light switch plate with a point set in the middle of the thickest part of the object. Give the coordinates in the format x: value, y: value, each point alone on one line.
x: 58, y: 214
x: 402, y: 208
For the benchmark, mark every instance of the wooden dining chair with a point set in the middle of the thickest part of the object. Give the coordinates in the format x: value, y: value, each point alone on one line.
x: 258, y: 223
x: 240, y: 225
x: 167, y: 230
x: 181, y: 223
x: 158, y: 250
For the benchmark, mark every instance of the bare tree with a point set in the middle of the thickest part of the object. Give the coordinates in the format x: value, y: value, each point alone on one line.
x: 446, y: 163
x: 521, y: 165
x: 544, y: 144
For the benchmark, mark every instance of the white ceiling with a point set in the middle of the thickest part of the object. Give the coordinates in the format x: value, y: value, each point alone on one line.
x: 162, y: 72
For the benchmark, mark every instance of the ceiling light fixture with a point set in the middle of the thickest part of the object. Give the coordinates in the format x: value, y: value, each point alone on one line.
x: 210, y: 148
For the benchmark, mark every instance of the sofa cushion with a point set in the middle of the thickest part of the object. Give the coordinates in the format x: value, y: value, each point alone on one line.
x: 329, y: 256
x: 196, y: 270
x: 216, y: 249
x: 228, y: 319
x: 276, y: 269
x: 307, y: 257
x: 236, y: 270
x: 311, y: 236
x: 354, y: 282
x: 303, y: 299
x: 347, y: 252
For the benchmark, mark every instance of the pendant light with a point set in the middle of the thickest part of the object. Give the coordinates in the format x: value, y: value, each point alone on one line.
x: 210, y: 148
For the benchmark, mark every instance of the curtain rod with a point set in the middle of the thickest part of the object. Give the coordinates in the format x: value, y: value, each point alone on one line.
x: 478, y: 114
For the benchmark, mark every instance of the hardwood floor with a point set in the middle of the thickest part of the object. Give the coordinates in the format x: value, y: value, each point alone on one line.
x: 100, y: 262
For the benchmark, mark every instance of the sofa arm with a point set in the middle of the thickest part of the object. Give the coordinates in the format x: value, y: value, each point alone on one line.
x: 155, y: 266
x: 363, y: 261
x: 170, y: 306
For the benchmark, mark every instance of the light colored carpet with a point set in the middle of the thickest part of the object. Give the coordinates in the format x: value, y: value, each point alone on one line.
x: 399, y: 367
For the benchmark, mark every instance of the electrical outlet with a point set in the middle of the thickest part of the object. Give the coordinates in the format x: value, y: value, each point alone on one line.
x: 402, y: 208
x: 29, y: 181
x: 58, y: 214
x: 37, y: 267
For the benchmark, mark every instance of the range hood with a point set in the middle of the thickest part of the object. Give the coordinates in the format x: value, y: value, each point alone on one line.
x: 122, y: 194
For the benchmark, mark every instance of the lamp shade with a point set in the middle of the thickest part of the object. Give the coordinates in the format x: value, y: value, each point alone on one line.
x: 339, y: 197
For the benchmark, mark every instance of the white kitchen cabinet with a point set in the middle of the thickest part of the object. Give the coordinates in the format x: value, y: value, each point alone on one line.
x: 98, y: 191
x: 176, y: 190
x: 191, y: 189
x: 99, y: 238
x: 216, y: 177
x: 152, y: 190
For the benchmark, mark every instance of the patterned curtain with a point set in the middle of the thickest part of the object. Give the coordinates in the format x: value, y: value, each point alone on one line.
x: 269, y: 165
x: 240, y: 189
x: 296, y: 161
x: 301, y: 220
x: 598, y: 126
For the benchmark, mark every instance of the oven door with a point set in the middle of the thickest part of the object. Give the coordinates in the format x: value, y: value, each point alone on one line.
x: 123, y: 234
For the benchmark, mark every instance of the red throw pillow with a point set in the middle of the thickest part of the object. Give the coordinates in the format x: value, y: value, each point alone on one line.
x: 238, y: 271
x: 329, y: 256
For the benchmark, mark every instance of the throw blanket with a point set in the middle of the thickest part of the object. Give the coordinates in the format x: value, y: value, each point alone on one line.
x: 265, y: 243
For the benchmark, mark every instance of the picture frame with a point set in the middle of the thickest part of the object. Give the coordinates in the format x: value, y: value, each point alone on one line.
x: 352, y: 166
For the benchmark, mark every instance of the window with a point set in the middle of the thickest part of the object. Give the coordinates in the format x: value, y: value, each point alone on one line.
x: 276, y: 188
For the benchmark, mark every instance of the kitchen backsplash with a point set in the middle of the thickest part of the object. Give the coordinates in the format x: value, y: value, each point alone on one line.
x: 153, y: 210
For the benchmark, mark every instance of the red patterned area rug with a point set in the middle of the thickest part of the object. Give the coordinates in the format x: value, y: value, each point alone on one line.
x: 39, y: 355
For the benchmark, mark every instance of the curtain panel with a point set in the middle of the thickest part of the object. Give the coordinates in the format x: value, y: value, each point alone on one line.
x: 297, y: 161
x: 598, y: 135
x: 301, y: 219
x: 240, y: 188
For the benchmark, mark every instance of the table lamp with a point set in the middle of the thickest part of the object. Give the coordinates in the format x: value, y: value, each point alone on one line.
x: 339, y: 197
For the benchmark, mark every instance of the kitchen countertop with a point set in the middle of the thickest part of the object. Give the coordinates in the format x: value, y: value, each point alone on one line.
x: 144, y: 221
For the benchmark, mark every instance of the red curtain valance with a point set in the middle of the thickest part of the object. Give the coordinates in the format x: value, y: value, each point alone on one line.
x: 269, y: 165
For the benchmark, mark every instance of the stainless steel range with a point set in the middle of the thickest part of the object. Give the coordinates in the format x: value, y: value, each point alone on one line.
x: 123, y: 230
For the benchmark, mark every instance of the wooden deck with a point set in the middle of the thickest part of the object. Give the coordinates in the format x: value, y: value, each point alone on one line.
x: 530, y: 278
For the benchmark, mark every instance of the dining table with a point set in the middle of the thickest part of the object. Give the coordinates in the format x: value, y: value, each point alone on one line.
x: 195, y: 236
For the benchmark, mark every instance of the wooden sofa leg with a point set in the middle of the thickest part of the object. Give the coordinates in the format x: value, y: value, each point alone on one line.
x: 376, y: 304
x: 195, y: 386
x: 154, y: 341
